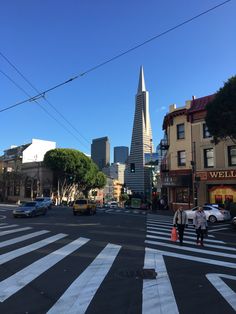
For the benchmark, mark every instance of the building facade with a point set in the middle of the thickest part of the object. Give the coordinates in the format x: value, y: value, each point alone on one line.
x: 215, y: 165
x: 115, y: 171
x: 23, y: 175
x: 176, y: 166
x: 195, y: 170
x: 100, y: 152
x: 137, y: 176
x: 121, y: 154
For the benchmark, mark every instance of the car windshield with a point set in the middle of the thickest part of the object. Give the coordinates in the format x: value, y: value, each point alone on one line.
x: 30, y: 204
x: 81, y: 202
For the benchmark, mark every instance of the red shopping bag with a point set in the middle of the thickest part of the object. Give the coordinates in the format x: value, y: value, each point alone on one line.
x: 174, y: 234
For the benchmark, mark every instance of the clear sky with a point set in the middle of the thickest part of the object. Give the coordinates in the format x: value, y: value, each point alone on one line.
x: 51, y: 41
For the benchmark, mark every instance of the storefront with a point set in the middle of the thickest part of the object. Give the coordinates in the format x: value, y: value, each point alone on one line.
x: 217, y: 187
x: 179, y: 189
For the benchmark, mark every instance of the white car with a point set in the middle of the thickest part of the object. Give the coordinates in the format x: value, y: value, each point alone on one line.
x: 113, y: 205
x: 213, y: 213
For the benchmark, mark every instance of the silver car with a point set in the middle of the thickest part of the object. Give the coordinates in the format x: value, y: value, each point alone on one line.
x: 45, y: 201
x: 213, y: 213
x: 30, y: 209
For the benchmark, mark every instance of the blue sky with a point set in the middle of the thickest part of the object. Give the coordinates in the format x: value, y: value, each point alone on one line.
x: 51, y: 41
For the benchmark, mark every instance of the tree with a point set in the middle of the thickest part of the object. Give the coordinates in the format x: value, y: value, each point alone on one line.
x: 221, y: 112
x: 74, y: 171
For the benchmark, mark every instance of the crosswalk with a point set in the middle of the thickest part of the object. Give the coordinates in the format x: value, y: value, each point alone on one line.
x: 122, y: 211
x: 158, y: 244
x: 79, y: 294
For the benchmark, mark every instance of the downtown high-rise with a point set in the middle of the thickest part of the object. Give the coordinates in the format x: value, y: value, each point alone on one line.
x: 137, y: 175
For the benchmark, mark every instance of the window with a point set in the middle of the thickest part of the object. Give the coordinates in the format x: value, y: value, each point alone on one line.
x: 180, y: 131
x: 182, y: 195
x: 206, y: 133
x: 181, y: 158
x: 232, y: 155
x: 208, y: 158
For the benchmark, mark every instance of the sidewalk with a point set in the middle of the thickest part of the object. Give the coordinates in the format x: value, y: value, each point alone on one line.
x: 7, y: 205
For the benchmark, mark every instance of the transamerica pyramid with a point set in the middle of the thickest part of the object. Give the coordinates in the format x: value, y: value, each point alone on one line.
x: 137, y: 175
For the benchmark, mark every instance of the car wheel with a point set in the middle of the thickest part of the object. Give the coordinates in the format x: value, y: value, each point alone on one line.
x: 45, y: 211
x: 74, y: 213
x: 33, y: 214
x: 212, y: 219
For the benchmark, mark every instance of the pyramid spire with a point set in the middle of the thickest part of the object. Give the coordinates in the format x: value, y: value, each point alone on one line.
x: 141, y: 84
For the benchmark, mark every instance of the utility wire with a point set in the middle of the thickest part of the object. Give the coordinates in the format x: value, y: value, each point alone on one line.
x: 44, y: 109
x: 40, y: 95
x: 34, y: 88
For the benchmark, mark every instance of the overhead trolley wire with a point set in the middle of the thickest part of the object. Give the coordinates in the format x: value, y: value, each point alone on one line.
x: 34, y: 99
x: 39, y: 93
x: 42, y: 94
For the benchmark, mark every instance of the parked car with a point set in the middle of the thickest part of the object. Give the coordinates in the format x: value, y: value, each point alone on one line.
x: 213, y: 213
x: 113, y: 205
x: 45, y: 201
x: 84, y: 206
x: 30, y: 209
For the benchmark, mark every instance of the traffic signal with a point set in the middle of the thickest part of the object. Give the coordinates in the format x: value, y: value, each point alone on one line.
x: 132, y: 167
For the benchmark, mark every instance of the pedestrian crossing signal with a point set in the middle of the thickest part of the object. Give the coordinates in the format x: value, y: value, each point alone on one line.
x: 132, y: 167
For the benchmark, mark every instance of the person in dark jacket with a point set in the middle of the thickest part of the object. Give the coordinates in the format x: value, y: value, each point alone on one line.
x: 200, y: 224
x: 180, y: 221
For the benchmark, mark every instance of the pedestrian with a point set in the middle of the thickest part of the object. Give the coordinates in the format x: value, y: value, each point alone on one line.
x: 180, y: 221
x: 200, y: 224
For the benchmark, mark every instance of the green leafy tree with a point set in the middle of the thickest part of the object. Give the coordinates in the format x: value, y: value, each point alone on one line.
x: 221, y: 112
x: 74, y: 171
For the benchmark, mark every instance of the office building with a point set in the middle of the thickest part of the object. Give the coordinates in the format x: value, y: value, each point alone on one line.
x: 100, y: 152
x: 137, y: 176
x: 121, y: 154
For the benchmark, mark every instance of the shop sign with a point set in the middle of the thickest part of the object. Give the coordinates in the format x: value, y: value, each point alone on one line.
x: 216, y: 175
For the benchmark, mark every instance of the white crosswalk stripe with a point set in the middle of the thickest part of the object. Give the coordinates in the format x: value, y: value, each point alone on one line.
x: 78, y: 296
x: 23, y: 238
x: 8, y: 226
x: 2, y: 233
x: 14, y: 283
x: 158, y: 244
x: 29, y: 248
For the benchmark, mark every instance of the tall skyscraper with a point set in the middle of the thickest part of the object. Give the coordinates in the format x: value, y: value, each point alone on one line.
x: 121, y: 154
x: 100, y: 152
x: 137, y: 175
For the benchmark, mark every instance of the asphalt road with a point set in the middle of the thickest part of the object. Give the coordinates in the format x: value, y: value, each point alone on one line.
x: 118, y: 261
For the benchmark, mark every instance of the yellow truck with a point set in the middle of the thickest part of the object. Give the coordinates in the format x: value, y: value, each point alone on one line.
x: 84, y: 206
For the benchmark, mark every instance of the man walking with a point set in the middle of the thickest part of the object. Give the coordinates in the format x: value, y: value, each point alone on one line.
x: 181, y: 221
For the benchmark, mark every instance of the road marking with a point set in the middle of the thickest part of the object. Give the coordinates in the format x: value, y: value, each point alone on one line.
x: 169, y: 228
x: 194, y: 243
x: 2, y: 224
x: 29, y: 248
x: 158, y: 296
x: 203, y: 251
x: 167, y: 234
x: 12, y: 284
x: 227, y: 293
x: 78, y: 296
x: 2, y: 217
x: 214, y: 230
x: 9, y: 226
x: 14, y: 230
x: 22, y: 238
x: 197, y: 259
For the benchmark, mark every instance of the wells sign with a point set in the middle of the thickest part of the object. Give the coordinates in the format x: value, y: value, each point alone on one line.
x: 216, y: 175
